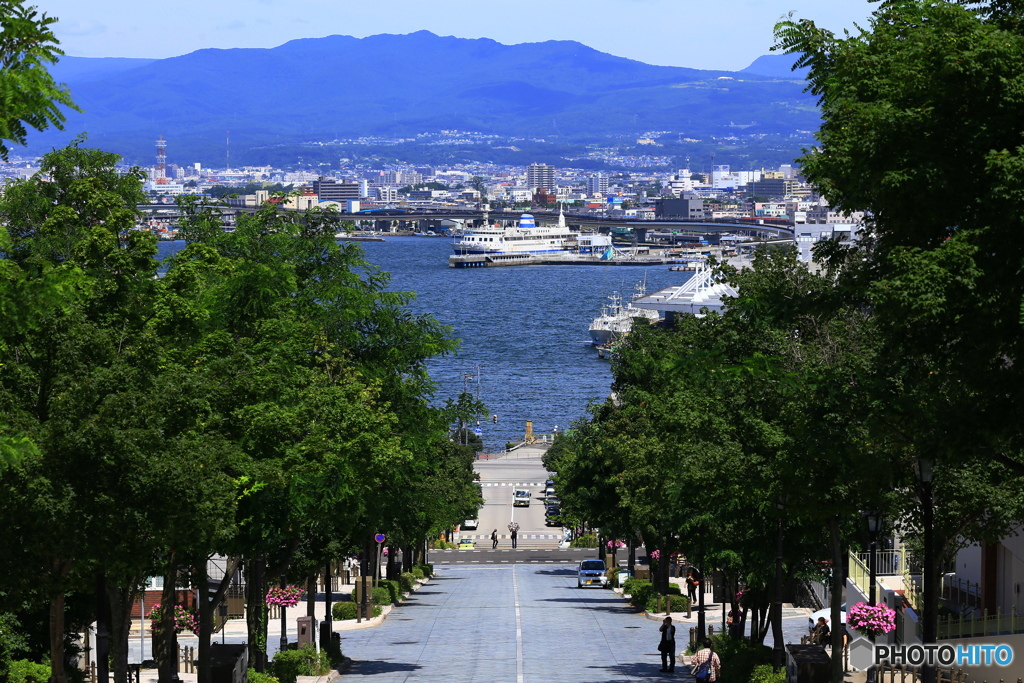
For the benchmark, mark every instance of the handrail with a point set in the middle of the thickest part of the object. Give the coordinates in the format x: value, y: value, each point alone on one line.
x: 859, y: 573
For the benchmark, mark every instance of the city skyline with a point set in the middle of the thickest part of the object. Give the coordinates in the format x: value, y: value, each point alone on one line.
x: 662, y: 32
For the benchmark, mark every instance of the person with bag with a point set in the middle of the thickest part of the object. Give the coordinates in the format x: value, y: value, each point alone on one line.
x: 494, y: 539
x: 705, y: 665
x: 667, y: 646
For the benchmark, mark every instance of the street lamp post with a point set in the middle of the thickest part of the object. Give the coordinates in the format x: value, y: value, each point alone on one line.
x: 283, y: 645
x: 874, y: 521
x: 925, y: 477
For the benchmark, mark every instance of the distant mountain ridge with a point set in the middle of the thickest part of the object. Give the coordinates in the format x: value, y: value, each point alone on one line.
x: 395, y: 85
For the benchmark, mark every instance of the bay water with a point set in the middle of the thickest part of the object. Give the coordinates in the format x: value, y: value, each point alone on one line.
x: 525, y: 351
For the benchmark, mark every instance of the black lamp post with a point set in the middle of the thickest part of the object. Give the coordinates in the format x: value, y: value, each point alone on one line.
x: 283, y: 645
x: 874, y: 521
x: 925, y: 476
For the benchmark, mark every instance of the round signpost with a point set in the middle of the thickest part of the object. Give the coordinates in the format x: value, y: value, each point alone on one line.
x: 380, y: 538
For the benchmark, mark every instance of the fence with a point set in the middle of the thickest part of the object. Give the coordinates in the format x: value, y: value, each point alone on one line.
x: 980, y: 626
x: 892, y: 674
x: 891, y: 562
x: 186, y: 665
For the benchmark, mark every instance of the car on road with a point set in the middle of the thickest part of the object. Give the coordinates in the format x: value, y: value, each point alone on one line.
x: 520, y: 498
x: 551, y: 515
x: 549, y: 492
x: 466, y: 544
x: 471, y: 524
x: 591, y: 573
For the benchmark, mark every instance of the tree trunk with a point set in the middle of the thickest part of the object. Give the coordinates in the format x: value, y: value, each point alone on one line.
x: 392, y: 574
x: 209, y: 601
x: 256, y: 614
x: 57, y: 674
x: 168, y: 640
x: 836, y: 600
x: 311, y: 594
x: 121, y: 600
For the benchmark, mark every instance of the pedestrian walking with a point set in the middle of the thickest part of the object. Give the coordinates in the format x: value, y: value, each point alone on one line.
x: 667, y: 646
x: 513, y: 530
x: 494, y: 539
x: 705, y: 665
x: 692, y: 582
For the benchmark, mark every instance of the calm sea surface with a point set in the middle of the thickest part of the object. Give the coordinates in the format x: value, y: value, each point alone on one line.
x: 523, y: 329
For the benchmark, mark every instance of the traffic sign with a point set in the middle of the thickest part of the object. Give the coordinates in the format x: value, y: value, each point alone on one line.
x: 379, y: 538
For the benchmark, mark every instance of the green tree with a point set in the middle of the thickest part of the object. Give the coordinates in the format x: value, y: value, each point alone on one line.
x: 29, y: 94
x: 920, y: 130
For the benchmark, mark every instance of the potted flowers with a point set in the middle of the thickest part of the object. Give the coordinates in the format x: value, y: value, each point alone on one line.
x: 871, y: 620
x: 288, y: 596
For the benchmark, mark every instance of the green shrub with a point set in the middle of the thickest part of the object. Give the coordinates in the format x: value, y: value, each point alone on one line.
x: 642, y: 593
x: 740, y: 657
x: 256, y: 677
x: 381, y: 596
x: 680, y: 603
x: 674, y: 589
x: 305, y: 661
x: 584, y: 541
x: 632, y: 583
x: 764, y: 673
x: 27, y: 671
x: 377, y: 610
x: 343, y: 611
x: 407, y: 581
x: 394, y: 589
x: 428, y: 570
x: 443, y: 545
x: 417, y: 573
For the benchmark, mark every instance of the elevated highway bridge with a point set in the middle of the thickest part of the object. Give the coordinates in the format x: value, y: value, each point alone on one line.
x: 385, y: 220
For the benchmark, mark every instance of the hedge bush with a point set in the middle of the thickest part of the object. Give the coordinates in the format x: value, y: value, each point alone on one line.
x: 27, y: 671
x: 680, y: 603
x: 305, y: 661
x: 407, y: 581
x: 632, y: 583
x: 417, y: 572
x: 381, y: 596
x: 428, y: 570
x: 764, y: 673
x: 674, y: 589
x: 740, y: 657
x: 343, y: 611
x: 642, y: 593
x: 256, y: 677
x: 584, y: 541
x: 394, y: 589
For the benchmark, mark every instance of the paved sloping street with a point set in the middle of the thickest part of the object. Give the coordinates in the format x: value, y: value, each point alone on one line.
x: 507, y: 623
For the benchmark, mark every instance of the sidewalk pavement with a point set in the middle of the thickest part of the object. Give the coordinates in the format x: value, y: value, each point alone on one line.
x: 235, y: 631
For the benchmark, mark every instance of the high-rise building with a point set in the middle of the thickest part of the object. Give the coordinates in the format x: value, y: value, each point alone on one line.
x: 331, y: 190
x: 597, y: 184
x: 540, y: 177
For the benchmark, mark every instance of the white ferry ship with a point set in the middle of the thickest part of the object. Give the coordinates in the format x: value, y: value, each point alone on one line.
x: 528, y: 238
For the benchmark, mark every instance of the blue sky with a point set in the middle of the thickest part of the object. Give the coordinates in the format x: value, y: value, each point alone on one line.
x: 694, y: 33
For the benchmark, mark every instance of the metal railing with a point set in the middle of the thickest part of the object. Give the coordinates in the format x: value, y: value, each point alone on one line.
x: 859, y: 573
x: 891, y: 562
x: 980, y: 625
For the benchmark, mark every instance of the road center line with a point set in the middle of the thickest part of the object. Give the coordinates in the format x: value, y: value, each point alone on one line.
x: 519, y: 627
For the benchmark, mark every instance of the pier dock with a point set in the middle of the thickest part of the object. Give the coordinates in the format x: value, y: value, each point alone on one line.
x: 497, y: 260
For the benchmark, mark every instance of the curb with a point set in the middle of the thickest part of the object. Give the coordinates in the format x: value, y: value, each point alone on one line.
x: 352, y: 625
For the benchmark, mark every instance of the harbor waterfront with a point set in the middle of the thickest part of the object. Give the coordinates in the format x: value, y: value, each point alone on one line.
x: 524, y: 331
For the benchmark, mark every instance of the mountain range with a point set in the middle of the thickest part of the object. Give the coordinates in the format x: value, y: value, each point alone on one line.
x: 339, y: 87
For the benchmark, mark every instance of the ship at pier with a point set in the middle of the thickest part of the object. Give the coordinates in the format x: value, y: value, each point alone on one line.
x: 529, y: 238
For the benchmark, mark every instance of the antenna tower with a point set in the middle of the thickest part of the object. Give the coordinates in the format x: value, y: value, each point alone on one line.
x: 161, y: 161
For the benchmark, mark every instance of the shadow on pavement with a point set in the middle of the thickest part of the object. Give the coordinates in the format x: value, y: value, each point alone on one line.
x: 380, y: 666
x: 556, y: 572
x: 631, y: 672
